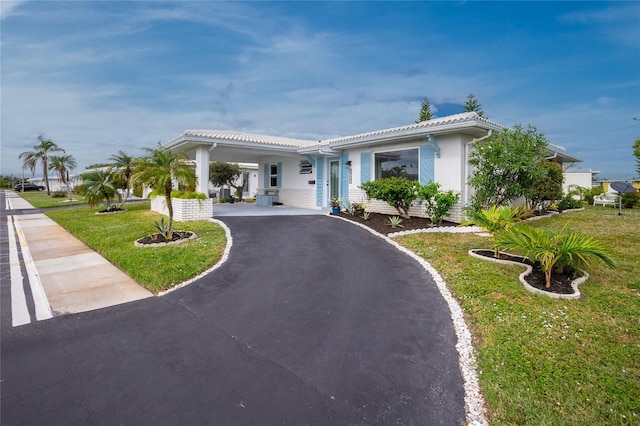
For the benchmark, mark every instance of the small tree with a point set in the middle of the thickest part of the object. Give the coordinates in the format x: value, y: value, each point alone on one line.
x: 399, y: 192
x: 123, y: 167
x: 437, y: 203
x: 62, y: 165
x: 99, y: 187
x: 221, y: 174
x: 40, y: 154
x: 473, y: 105
x: 158, y: 170
x: 506, y: 165
x: 555, y: 250
x: 425, y: 111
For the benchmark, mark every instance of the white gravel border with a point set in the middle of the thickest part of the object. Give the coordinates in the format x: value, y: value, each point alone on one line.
x: 225, y: 256
x: 474, y: 402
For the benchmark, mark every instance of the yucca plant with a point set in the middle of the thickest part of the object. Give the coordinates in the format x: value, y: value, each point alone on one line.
x: 494, y: 220
x: 555, y: 250
x: 395, y: 222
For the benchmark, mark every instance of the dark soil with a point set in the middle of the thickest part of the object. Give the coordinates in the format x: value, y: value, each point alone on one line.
x: 380, y: 222
x: 560, y: 281
x: 113, y: 210
x: 159, y: 238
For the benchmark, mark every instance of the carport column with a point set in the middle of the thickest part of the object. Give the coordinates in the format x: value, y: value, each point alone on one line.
x: 202, y: 169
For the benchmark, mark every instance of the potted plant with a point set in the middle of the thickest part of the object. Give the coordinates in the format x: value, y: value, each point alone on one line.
x: 335, y: 205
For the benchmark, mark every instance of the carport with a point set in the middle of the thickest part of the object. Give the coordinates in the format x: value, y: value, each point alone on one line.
x: 204, y: 146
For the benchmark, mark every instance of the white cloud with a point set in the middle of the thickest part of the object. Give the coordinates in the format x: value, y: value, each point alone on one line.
x: 8, y: 6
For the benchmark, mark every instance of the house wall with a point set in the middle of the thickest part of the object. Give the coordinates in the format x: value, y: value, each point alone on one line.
x: 449, y: 170
x: 184, y: 210
x: 582, y: 179
x: 295, y: 189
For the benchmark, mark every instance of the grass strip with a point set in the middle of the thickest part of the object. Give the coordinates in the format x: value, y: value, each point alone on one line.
x: 552, y: 361
x: 158, y: 268
x: 40, y: 199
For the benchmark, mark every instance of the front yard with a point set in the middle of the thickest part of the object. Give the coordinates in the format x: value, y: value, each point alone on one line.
x: 540, y: 360
x: 549, y: 361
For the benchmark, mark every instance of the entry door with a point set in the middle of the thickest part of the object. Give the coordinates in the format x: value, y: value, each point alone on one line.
x: 334, y: 178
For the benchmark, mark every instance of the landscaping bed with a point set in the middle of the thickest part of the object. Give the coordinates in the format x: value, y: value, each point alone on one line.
x: 380, y: 222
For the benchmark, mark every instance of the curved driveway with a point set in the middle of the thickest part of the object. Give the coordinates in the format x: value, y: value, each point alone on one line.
x: 310, y: 321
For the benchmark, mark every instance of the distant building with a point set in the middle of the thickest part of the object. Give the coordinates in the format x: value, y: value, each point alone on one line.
x: 577, y: 177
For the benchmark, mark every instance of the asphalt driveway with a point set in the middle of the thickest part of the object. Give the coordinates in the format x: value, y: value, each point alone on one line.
x: 310, y: 321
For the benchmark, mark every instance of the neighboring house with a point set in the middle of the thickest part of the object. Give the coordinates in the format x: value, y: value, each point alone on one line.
x: 577, y: 177
x: 308, y: 174
x: 55, y: 185
x: 606, y: 184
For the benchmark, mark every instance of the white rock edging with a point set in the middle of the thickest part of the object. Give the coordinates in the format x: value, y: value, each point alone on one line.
x: 225, y: 256
x: 574, y: 284
x: 474, y: 402
x: 437, y: 229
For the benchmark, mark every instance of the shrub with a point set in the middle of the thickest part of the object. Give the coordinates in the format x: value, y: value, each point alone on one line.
x: 630, y: 200
x: 590, y: 193
x: 568, y: 203
x: 399, y: 192
x: 438, y: 203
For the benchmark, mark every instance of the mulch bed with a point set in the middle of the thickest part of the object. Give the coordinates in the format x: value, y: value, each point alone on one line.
x: 380, y: 222
x: 159, y: 238
x: 560, y: 281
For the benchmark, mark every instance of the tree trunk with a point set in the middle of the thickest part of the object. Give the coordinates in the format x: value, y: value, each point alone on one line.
x: 167, y: 197
x: 547, y: 276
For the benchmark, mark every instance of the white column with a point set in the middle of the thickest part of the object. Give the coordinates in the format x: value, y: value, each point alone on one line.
x: 202, y: 169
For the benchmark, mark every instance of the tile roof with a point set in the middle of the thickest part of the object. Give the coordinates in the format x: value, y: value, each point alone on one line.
x: 429, y: 124
x: 247, y: 137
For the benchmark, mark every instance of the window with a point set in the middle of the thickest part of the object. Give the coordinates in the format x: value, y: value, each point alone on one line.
x: 400, y: 163
x: 273, y: 175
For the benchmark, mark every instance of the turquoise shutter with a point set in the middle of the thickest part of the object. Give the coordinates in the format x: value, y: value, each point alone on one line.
x: 320, y: 182
x: 365, y: 167
x: 266, y: 182
x: 279, y: 175
x: 427, y: 168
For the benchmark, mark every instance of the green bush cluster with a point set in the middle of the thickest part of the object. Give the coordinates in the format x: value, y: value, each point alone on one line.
x: 400, y: 193
x: 630, y: 200
x: 568, y: 202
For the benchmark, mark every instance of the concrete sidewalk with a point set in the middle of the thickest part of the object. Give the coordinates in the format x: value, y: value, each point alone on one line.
x: 73, y: 276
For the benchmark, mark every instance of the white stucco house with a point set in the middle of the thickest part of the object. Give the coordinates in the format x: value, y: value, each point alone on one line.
x: 303, y: 173
x: 577, y: 178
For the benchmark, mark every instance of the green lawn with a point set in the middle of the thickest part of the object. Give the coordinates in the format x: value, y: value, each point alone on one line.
x: 549, y: 361
x: 158, y: 268
x: 40, y: 199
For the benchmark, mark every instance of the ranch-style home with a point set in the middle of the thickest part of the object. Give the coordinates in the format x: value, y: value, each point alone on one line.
x: 308, y: 174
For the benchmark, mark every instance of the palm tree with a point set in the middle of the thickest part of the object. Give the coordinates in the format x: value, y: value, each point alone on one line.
x: 494, y: 220
x: 99, y: 188
x: 124, y: 165
x: 63, y: 164
x: 40, y: 155
x: 555, y: 250
x: 159, y: 170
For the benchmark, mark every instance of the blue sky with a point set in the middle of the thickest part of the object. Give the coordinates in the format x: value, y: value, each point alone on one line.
x: 98, y: 77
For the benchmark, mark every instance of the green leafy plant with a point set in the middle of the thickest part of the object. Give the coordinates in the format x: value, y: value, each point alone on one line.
x: 395, y: 222
x: 398, y: 192
x: 568, y: 202
x: 507, y: 166
x: 358, y: 207
x: 493, y: 220
x: 365, y: 215
x: 336, y: 202
x: 589, y: 194
x: 555, y: 250
x: 630, y: 200
x: 437, y: 203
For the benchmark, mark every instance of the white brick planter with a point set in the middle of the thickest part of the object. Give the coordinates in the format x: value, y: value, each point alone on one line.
x: 184, y: 210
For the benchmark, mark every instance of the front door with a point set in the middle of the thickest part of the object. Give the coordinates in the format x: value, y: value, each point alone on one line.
x: 334, y: 178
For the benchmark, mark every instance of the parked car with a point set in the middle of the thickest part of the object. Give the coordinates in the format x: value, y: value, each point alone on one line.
x: 21, y: 187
